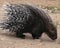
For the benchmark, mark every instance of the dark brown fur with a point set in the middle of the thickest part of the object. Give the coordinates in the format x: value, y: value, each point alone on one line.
x: 50, y: 28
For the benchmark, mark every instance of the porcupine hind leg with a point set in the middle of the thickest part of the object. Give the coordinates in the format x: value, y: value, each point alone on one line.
x: 20, y: 35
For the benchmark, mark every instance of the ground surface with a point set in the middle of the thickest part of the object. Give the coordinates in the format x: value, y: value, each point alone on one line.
x: 8, y: 40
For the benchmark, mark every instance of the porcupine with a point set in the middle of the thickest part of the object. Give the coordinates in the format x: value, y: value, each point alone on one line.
x: 29, y: 19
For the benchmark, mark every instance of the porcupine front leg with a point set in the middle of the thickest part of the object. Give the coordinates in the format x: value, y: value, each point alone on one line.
x: 36, y: 35
x: 36, y: 32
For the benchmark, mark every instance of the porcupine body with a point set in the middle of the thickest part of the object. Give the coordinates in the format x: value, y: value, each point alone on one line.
x: 26, y: 18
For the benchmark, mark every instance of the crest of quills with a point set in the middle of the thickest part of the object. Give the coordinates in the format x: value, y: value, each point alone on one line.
x: 17, y: 17
x: 28, y: 19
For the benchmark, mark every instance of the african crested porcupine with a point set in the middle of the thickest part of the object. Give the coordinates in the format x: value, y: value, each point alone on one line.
x: 29, y: 19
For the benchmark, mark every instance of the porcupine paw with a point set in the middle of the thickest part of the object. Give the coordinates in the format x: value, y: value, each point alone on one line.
x: 20, y: 35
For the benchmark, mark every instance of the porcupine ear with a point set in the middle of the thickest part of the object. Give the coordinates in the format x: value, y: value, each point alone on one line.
x: 51, y: 29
